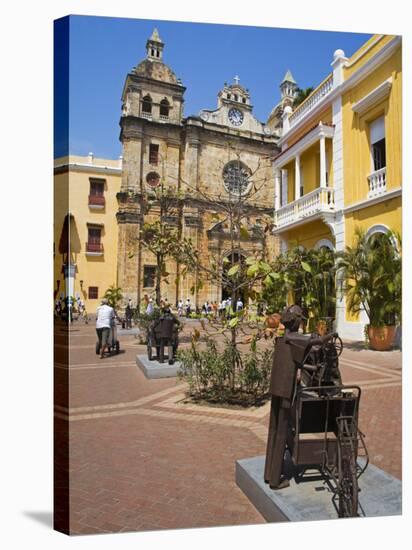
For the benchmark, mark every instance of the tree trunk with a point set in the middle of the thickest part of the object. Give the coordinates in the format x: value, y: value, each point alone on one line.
x: 159, y: 270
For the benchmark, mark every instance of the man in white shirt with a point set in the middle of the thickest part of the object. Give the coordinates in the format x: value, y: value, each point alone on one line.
x: 104, y: 320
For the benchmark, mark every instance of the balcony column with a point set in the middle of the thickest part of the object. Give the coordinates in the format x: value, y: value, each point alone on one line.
x: 285, y: 119
x: 278, y: 176
x: 339, y: 61
x: 322, y: 162
x: 297, y: 177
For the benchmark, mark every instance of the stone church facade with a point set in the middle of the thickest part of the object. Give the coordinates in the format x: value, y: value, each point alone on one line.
x: 205, y: 156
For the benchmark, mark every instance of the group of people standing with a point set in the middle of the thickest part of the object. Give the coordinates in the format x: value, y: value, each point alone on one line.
x: 66, y: 308
x: 221, y: 309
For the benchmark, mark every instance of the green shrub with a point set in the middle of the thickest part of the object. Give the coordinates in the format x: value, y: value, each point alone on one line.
x: 226, y: 376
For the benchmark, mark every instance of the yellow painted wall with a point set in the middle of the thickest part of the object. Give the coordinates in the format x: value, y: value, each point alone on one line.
x: 310, y: 169
x: 388, y: 213
x: 308, y: 235
x: 290, y: 167
x: 356, y: 143
x: 365, y: 53
x: 100, y: 271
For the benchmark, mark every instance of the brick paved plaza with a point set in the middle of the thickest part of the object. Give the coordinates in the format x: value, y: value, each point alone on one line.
x: 141, y: 459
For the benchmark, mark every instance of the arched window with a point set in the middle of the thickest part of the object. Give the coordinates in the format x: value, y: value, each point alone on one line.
x: 164, y: 108
x: 383, y: 230
x: 324, y: 243
x: 147, y: 104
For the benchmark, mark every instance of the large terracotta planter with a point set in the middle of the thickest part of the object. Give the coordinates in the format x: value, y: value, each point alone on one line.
x: 381, y: 338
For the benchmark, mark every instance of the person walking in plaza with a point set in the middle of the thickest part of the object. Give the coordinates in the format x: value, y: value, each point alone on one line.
x: 188, y: 307
x: 128, y: 314
x: 223, y: 309
x: 57, y: 308
x: 104, y: 319
x: 81, y: 308
x: 239, y: 305
x: 150, y: 308
x: 214, y: 309
x: 180, y: 308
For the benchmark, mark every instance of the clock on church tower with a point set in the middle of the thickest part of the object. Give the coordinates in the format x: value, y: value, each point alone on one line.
x: 235, y: 116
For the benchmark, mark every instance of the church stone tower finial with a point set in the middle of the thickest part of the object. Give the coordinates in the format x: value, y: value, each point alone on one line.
x: 154, y: 47
x: 288, y: 86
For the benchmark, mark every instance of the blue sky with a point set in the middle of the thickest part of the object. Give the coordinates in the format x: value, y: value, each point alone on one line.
x: 103, y: 50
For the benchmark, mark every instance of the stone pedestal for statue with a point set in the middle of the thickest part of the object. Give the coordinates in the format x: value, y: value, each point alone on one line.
x: 154, y: 369
x: 311, y: 500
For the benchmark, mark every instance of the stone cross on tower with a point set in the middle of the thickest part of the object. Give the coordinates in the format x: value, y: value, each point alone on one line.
x: 236, y: 79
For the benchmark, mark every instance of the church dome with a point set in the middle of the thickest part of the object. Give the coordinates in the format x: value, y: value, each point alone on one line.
x: 155, y: 70
x: 153, y: 66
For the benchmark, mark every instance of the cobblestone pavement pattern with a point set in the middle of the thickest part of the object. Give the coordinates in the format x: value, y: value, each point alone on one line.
x: 141, y: 459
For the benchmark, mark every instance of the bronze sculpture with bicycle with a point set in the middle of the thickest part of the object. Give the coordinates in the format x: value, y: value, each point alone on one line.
x: 313, y: 417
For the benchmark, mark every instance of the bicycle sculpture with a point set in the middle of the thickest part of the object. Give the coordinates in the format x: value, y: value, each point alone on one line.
x: 318, y: 422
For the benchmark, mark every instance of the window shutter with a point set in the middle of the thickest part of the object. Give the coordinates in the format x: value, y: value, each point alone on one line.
x: 377, y: 130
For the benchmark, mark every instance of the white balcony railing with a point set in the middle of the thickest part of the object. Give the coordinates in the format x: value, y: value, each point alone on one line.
x: 319, y: 200
x: 306, y: 106
x: 377, y: 183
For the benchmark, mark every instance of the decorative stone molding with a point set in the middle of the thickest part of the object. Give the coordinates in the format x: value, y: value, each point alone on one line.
x: 380, y: 93
x: 170, y: 220
x: 129, y: 217
x: 393, y: 193
x: 322, y: 243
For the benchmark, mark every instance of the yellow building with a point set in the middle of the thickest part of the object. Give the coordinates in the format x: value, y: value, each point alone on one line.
x: 340, y: 162
x: 85, y: 227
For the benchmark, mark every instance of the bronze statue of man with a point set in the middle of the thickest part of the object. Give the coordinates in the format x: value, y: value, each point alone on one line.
x: 289, y: 354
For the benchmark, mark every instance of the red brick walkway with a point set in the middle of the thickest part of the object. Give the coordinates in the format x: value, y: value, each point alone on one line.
x: 140, y: 459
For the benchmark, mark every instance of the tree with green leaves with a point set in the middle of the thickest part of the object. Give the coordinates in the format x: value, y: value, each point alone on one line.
x: 371, y: 274
x: 301, y: 95
x: 162, y: 237
x: 114, y: 296
x: 307, y: 277
x: 239, y: 275
x: 165, y: 243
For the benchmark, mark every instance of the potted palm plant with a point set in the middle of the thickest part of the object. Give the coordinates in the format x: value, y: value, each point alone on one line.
x: 372, y: 279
